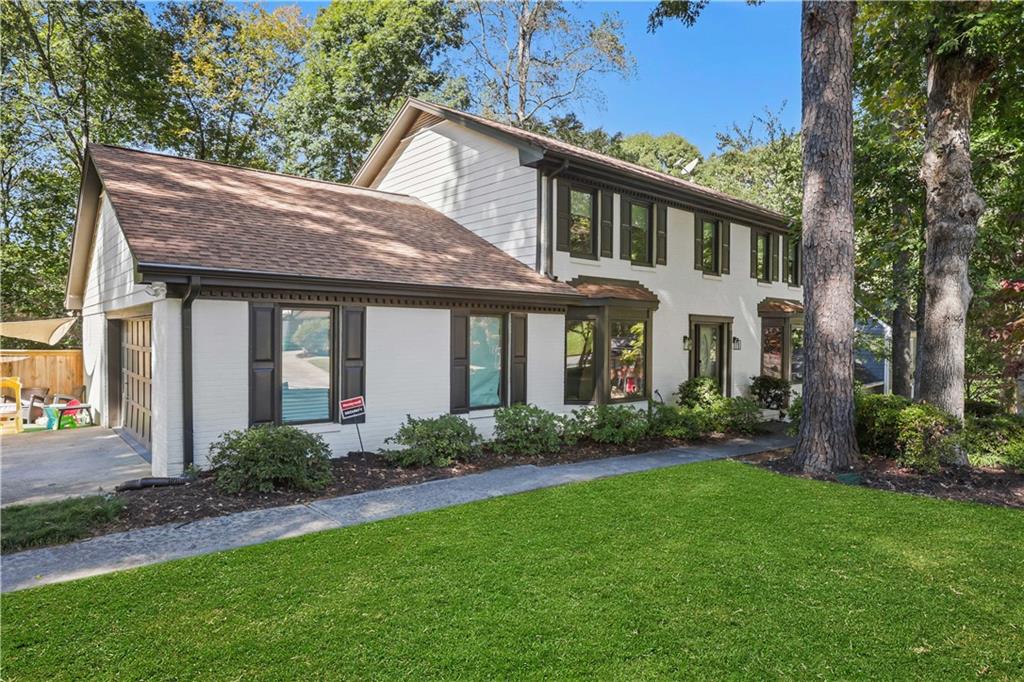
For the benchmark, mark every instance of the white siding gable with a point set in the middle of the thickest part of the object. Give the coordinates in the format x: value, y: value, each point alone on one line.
x: 474, y: 180
x: 110, y: 279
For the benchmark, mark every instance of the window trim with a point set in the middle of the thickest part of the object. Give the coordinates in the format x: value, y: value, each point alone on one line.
x: 630, y: 203
x: 595, y: 220
x: 335, y: 342
x: 756, y: 235
x: 503, y: 386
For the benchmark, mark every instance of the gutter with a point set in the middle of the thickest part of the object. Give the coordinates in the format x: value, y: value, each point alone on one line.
x: 549, y: 231
x: 188, y: 449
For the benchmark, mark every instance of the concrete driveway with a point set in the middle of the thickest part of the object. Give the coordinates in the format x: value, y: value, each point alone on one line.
x: 43, y: 466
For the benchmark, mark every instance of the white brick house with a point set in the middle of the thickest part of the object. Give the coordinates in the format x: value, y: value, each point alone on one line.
x: 472, y: 266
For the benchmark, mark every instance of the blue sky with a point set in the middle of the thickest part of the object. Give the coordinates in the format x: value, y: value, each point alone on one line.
x: 737, y: 60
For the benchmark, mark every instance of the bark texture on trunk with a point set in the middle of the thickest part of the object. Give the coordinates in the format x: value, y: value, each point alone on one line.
x: 952, y: 210
x: 827, y: 441
x: 902, y: 328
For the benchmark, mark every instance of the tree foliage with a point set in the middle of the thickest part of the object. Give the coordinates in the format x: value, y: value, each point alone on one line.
x: 362, y: 61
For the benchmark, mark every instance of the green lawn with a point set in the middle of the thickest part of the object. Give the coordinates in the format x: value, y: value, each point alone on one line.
x: 702, y: 571
x: 29, y: 525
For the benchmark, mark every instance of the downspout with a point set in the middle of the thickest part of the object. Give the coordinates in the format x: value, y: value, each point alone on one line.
x: 188, y: 455
x: 549, y: 233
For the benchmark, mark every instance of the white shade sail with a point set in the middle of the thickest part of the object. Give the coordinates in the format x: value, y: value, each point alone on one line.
x: 42, y: 331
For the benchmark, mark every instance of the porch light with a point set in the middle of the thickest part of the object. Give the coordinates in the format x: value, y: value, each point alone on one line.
x: 686, y: 343
x: 736, y: 343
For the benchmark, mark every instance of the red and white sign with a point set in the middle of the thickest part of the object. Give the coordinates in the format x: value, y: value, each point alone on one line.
x: 351, y: 408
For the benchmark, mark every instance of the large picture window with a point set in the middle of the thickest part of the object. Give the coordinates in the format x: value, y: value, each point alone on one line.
x: 306, y: 364
x: 486, y: 342
x: 640, y: 241
x: 627, y: 358
x: 580, y: 369
x: 782, y: 348
x: 582, y: 223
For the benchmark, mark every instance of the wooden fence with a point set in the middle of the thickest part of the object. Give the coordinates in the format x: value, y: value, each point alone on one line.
x: 60, y: 371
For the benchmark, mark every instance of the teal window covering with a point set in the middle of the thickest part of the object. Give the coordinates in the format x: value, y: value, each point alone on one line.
x: 485, y: 361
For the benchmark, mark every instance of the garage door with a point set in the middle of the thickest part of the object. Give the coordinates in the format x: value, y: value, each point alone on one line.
x: 137, y: 378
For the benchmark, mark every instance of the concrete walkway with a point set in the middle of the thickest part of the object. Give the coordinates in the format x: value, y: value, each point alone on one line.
x: 129, y: 549
x: 44, y: 466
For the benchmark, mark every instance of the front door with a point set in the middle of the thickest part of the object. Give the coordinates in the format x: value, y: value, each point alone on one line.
x: 709, y: 351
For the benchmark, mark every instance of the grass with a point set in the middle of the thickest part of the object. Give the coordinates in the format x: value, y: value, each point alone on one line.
x: 715, y: 570
x: 44, y: 523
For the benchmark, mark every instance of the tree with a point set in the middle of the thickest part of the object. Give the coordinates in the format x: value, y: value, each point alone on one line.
x: 668, y: 153
x: 529, y: 58
x: 231, y: 65
x: 362, y: 61
x: 571, y: 129
x: 827, y: 440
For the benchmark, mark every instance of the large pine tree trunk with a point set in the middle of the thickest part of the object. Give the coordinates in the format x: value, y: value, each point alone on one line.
x: 902, y: 328
x: 827, y: 441
x: 952, y: 209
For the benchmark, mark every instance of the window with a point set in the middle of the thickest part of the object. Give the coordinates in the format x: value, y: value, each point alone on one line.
x: 582, y: 232
x: 640, y: 241
x: 486, y: 346
x: 580, y: 370
x: 307, y: 360
x: 793, y: 265
x: 710, y: 236
x: 782, y: 349
x: 762, y: 257
x: 628, y: 357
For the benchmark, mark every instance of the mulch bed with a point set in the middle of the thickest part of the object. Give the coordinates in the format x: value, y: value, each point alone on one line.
x: 971, y: 484
x: 357, y: 473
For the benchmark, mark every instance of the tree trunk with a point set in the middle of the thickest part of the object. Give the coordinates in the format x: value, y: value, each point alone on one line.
x: 919, y: 316
x: 952, y: 209
x: 827, y: 440
x: 902, y: 326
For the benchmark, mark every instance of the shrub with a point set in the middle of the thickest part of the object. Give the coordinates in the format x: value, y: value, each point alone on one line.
x: 737, y: 415
x: 433, y: 442
x: 996, y: 440
x: 922, y: 436
x: 526, y: 430
x: 683, y: 423
x: 982, y: 408
x: 877, y: 422
x: 699, y: 392
x: 770, y: 392
x: 617, y: 424
x: 795, y: 412
x: 264, y: 458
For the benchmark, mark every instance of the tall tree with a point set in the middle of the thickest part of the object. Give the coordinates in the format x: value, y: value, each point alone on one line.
x: 669, y: 152
x: 528, y: 59
x: 231, y: 65
x: 362, y: 61
x: 827, y: 440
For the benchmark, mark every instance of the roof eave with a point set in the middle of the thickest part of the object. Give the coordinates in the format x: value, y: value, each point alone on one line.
x: 82, y: 235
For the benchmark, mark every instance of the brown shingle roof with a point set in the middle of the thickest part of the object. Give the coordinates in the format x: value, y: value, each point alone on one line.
x: 182, y: 212
x: 607, y: 288
x: 783, y: 306
x: 565, y: 149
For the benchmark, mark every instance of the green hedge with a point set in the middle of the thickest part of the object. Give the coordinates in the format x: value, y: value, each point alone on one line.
x: 266, y: 458
x: 438, y: 441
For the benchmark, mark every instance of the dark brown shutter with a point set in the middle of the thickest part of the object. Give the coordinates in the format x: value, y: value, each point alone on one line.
x: 726, y: 254
x: 698, y: 242
x: 753, y: 253
x: 562, y: 222
x: 774, y: 254
x: 517, y: 347
x: 353, y: 354
x: 460, y: 362
x: 624, y: 252
x: 661, y: 233
x: 263, y: 385
x: 607, y: 224
x: 785, y: 258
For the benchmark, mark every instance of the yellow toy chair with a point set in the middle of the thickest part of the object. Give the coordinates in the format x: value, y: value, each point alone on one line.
x: 10, y: 412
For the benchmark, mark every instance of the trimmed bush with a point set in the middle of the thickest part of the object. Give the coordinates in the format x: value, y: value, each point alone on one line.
x: 922, y: 437
x: 266, y: 458
x: 770, y: 392
x: 737, y: 415
x: 877, y: 422
x: 526, y: 430
x: 616, y: 424
x: 996, y: 440
x: 438, y: 441
x: 683, y: 423
x: 699, y: 392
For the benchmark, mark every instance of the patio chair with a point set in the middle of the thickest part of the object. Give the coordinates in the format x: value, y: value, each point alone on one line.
x: 10, y: 408
x: 32, y: 402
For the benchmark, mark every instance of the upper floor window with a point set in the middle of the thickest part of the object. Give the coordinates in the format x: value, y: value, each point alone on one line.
x: 640, y: 241
x: 792, y: 266
x: 711, y: 249
x: 762, y: 256
x: 582, y: 227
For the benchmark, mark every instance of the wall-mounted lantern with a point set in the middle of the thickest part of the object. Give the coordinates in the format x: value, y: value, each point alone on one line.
x: 686, y: 343
x: 736, y: 344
